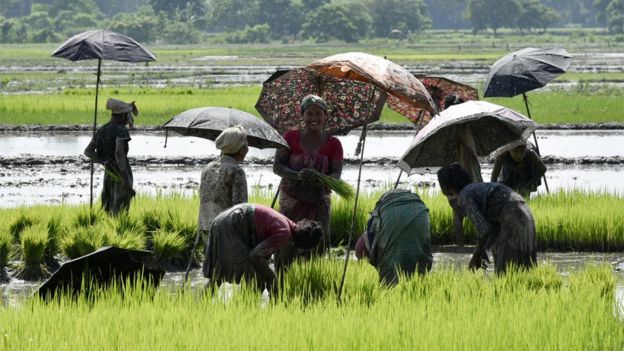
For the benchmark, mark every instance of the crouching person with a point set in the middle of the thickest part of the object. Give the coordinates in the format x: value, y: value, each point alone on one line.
x: 502, y: 219
x: 397, y: 240
x: 243, y: 237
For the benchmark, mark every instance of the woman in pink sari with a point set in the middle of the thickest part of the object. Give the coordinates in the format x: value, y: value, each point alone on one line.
x: 312, y: 148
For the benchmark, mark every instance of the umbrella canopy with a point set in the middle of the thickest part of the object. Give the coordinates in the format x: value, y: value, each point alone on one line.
x: 103, y: 44
x: 350, y: 103
x: 440, y: 87
x: 492, y: 126
x: 101, y: 267
x: 525, y: 70
x: 406, y: 94
x: 209, y: 122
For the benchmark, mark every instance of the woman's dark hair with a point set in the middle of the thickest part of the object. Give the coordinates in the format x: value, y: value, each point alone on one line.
x: 452, y: 100
x: 307, y: 234
x: 454, y: 177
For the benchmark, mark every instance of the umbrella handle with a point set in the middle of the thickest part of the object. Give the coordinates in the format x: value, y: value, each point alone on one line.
x: 166, y: 137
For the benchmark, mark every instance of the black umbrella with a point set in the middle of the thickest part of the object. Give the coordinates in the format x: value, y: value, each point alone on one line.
x: 526, y: 70
x: 102, y: 44
x: 209, y: 122
x: 100, y: 268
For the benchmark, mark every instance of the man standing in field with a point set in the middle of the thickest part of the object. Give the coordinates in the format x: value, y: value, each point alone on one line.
x: 520, y: 169
x: 109, y: 147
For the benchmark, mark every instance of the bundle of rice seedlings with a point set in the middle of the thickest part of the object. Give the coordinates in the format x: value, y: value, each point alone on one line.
x: 55, y: 229
x: 173, y: 223
x: 80, y: 241
x: 132, y: 240
x: 6, y: 244
x: 34, y: 240
x: 151, y: 221
x: 168, y: 244
x: 22, y: 222
x: 123, y: 223
x: 88, y: 217
x: 339, y: 186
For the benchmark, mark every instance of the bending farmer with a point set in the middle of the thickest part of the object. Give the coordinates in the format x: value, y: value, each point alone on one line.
x: 109, y: 147
x: 397, y: 238
x: 520, y: 169
x: 503, y: 220
x: 243, y: 237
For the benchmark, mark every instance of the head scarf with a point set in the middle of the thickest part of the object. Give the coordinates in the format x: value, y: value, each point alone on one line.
x: 311, y: 99
x: 119, y: 107
x: 231, y: 140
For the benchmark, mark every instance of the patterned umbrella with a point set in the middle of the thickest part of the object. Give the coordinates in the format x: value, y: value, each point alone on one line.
x: 351, y: 103
x: 406, y: 94
x: 440, y: 87
x: 493, y: 127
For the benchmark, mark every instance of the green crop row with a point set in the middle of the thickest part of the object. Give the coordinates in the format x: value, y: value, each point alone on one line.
x: 444, y: 310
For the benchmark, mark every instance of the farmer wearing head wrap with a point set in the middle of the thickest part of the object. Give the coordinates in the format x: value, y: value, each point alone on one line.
x: 503, y: 221
x: 397, y: 238
x: 223, y: 181
x: 109, y: 147
x: 311, y: 148
x: 520, y: 168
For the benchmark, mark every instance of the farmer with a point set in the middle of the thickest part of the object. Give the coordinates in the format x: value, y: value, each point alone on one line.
x: 469, y: 162
x: 223, y: 181
x: 397, y: 238
x: 109, y: 147
x: 312, y: 148
x: 243, y: 237
x: 501, y: 217
x: 520, y: 169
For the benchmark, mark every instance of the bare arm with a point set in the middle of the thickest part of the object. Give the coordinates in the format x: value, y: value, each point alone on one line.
x: 498, y: 165
x: 259, y: 259
x: 335, y: 168
x: 89, y: 151
x: 481, y: 224
x: 280, y: 165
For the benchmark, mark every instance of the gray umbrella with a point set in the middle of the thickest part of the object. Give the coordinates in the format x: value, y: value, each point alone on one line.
x: 209, y: 122
x: 102, y: 44
x: 492, y: 126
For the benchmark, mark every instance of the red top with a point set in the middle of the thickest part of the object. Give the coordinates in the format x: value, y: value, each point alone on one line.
x: 273, y: 229
x: 319, y: 160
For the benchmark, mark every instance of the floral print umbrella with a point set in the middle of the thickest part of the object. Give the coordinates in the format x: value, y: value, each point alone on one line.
x: 350, y: 103
x: 439, y: 88
x: 406, y: 94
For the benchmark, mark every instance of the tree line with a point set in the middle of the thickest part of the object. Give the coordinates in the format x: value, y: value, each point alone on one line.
x: 249, y: 21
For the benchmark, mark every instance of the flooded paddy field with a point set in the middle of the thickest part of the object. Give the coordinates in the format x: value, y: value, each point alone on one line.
x: 40, y: 169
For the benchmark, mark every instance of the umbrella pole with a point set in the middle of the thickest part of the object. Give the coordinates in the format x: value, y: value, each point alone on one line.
x: 396, y: 184
x: 526, y: 104
x: 275, y: 198
x: 97, y: 90
x: 357, y: 195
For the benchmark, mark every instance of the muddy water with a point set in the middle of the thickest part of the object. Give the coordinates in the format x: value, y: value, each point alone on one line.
x: 163, y: 170
x: 17, y: 291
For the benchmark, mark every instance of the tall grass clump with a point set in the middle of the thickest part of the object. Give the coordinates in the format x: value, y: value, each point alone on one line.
x: 79, y: 241
x: 87, y: 217
x: 22, y: 222
x: 33, y: 240
x: 55, y: 230
x: 168, y: 246
x: 6, y: 246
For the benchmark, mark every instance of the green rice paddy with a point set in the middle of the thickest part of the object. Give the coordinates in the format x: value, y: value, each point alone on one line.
x: 75, y: 106
x: 445, y: 310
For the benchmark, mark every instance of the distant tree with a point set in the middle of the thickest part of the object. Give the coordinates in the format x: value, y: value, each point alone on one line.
x: 311, y: 5
x: 346, y: 21
x: 15, y: 8
x: 178, y: 32
x: 256, y: 34
x: 170, y: 7
x: 615, y: 16
x: 404, y: 15
x: 447, y: 14
x: 535, y: 15
x: 113, y: 7
x: 74, y: 6
x: 284, y: 17
x: 601, y: 8
x: 143, y: 25
x: 231, y: 15
x: 493, y: 14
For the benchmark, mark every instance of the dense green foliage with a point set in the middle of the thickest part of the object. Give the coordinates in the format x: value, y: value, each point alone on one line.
x: 184, y: 21
x: 445, y: 310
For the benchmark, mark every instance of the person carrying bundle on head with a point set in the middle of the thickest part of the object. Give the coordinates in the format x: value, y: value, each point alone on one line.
x: 397, y: 239
x: 109, y: 147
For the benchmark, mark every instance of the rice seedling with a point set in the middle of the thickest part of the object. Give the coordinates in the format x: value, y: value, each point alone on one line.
x: 338, y: 186
x: 88, y: 217
x: 22, y: 222
x: 55, y: 230
x: 446, y: 309
x: 79, y: 241
x: 151, y: 221
x: 167, y: 245
x: 6, y: 246
x: 34, y: 240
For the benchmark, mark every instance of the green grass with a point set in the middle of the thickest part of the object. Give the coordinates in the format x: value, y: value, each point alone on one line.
x: 6, y: 247
x: 33, y: 242
x: 75, y: 106
x: 446, y: 310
